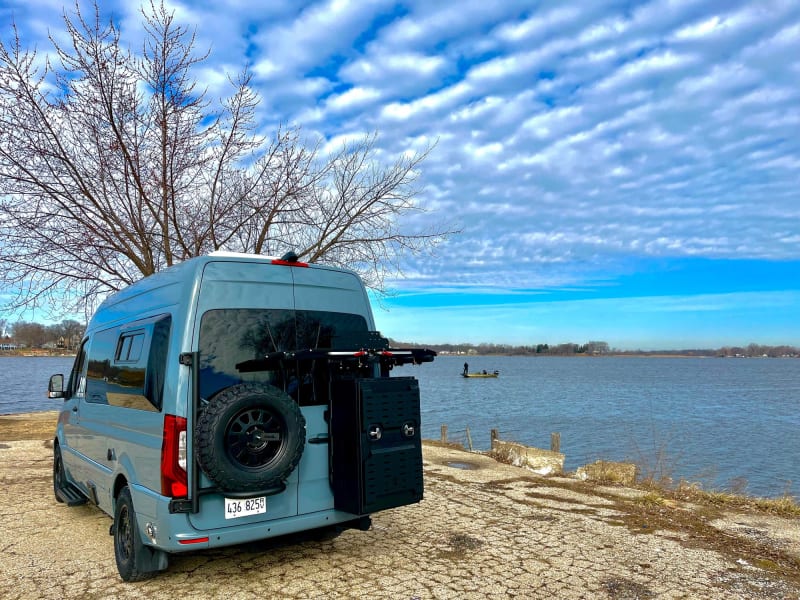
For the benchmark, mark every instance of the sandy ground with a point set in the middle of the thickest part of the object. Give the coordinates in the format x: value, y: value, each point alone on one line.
x: 484, y: 530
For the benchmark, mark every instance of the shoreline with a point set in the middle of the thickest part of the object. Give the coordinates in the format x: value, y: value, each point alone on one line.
x: 41, y: 425
x: 621, y: 354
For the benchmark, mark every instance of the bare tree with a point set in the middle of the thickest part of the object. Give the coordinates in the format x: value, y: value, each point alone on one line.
x: 31, y: 335
x: 114, y: 165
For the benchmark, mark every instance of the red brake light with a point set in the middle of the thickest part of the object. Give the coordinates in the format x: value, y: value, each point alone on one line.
x: 289, y: 263
x: 173, y: 453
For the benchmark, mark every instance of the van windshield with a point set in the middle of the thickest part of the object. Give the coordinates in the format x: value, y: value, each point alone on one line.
x: 231, y: 336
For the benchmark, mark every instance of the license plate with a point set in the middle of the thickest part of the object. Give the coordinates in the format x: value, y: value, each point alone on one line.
x: 244, y: 507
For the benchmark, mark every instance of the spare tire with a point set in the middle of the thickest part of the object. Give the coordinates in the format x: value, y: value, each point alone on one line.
x: 250, y: 437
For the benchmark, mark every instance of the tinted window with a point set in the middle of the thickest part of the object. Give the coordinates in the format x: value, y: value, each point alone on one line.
x: 98, y: 372
x: 157, y: 361
x: 77, y: 380
x: 127, y: 368
x: 230, y: 337
x: 129, y: 348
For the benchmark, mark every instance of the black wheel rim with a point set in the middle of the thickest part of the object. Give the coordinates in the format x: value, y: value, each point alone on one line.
x: 254, y: 438
x: 124, y: 534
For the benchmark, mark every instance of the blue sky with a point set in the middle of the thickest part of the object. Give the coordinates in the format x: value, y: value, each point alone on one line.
x: 621, y: 171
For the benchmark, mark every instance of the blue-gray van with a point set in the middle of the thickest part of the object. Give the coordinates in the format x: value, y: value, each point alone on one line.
x: 232, y: 398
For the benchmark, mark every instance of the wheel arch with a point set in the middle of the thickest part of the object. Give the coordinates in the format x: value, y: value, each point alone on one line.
x: 120, y: 481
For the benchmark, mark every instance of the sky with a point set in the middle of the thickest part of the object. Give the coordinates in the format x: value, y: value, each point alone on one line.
x: 618, y: 171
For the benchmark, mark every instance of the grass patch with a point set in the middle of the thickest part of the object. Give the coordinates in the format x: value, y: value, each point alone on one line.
x: 783, y: 506
x: 650, y: 500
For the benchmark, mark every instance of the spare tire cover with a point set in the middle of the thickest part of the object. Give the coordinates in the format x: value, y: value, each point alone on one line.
x: 250, y: 437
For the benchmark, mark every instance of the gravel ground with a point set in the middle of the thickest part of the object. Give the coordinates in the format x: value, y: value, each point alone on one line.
x: 484, y: 530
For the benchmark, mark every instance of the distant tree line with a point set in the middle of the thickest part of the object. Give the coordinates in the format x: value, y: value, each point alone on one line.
x: 23, y: 334
x: 593, y: 348
x: 598, y: 348
x: 753, y: 350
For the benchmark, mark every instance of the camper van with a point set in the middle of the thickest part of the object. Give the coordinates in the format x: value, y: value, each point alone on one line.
x: 232, y: 398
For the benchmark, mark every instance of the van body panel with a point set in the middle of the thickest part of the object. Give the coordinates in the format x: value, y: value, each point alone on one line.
x: 319, y: 288
x: 244, y: 285
x: 314, y: 470
x: 212, y: 509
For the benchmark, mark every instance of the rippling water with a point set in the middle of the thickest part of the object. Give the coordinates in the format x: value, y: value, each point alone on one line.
x: 25, y: 382
x: 722, y: 422
x: 717, y: 421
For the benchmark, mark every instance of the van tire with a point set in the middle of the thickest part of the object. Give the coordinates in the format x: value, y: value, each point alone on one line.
x: 135, y: 561
x: 59, y: 475
x: 250, y: 437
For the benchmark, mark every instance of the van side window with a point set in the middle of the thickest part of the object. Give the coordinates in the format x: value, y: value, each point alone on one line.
x: 76, y: 388
x: 98, y: 372
x: 127, y: 368
x: 129, y: 348
x: 157, y: 362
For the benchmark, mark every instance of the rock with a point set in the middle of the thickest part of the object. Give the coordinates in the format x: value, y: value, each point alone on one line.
x: 604, y: 471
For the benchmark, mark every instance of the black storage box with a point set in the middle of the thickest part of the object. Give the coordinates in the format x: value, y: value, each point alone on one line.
x: 376, y: 444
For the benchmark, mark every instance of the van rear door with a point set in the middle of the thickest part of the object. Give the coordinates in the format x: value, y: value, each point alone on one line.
x: 318, y: 289
x: 245, y: 310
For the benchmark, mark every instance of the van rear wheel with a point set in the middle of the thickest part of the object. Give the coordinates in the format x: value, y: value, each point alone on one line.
x: 135, y: 561
x: 250, y: 437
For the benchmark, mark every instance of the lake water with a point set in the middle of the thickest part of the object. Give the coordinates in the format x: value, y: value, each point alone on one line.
x: 721, y: 422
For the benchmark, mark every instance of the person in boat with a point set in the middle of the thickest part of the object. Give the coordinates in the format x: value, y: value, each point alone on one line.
x: 466, y: 368
x: 484, y: 371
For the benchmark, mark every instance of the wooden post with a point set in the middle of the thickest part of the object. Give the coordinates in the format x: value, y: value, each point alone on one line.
x: 469, y: 440
x: 493, y: 436
x: 444, y: 434
x: 555, y: 442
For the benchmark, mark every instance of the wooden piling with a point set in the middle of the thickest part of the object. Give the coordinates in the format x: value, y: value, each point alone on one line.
x: 444, y: 434
x: 469, y: 440
x: 493, y: 436
x: 555, y: 442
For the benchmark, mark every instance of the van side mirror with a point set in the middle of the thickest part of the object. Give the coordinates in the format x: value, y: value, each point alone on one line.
x: 55, y: 389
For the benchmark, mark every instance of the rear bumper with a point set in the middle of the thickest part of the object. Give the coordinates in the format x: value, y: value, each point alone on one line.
x: 175, y: 533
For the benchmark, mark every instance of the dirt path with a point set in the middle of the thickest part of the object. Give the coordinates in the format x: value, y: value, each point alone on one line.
x: 484, y: 530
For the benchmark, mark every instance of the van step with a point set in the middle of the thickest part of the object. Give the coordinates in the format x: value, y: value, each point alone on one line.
x: 70, y: 495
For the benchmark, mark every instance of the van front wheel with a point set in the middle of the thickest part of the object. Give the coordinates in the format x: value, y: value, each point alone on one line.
x: 250, y: 437
x: 59, y: 477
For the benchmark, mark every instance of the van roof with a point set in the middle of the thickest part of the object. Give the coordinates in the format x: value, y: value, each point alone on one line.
x: 189, y: 270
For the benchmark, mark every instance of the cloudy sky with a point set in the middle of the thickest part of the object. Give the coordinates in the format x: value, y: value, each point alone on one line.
x: 621, y: 171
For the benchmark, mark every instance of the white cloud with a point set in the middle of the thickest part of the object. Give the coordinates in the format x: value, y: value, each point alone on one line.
x: 565, y: 135
x: 653, y: 65
x: 353, y: 98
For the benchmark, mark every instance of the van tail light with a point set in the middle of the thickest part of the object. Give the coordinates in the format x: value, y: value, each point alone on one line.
x: 173, y: 458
